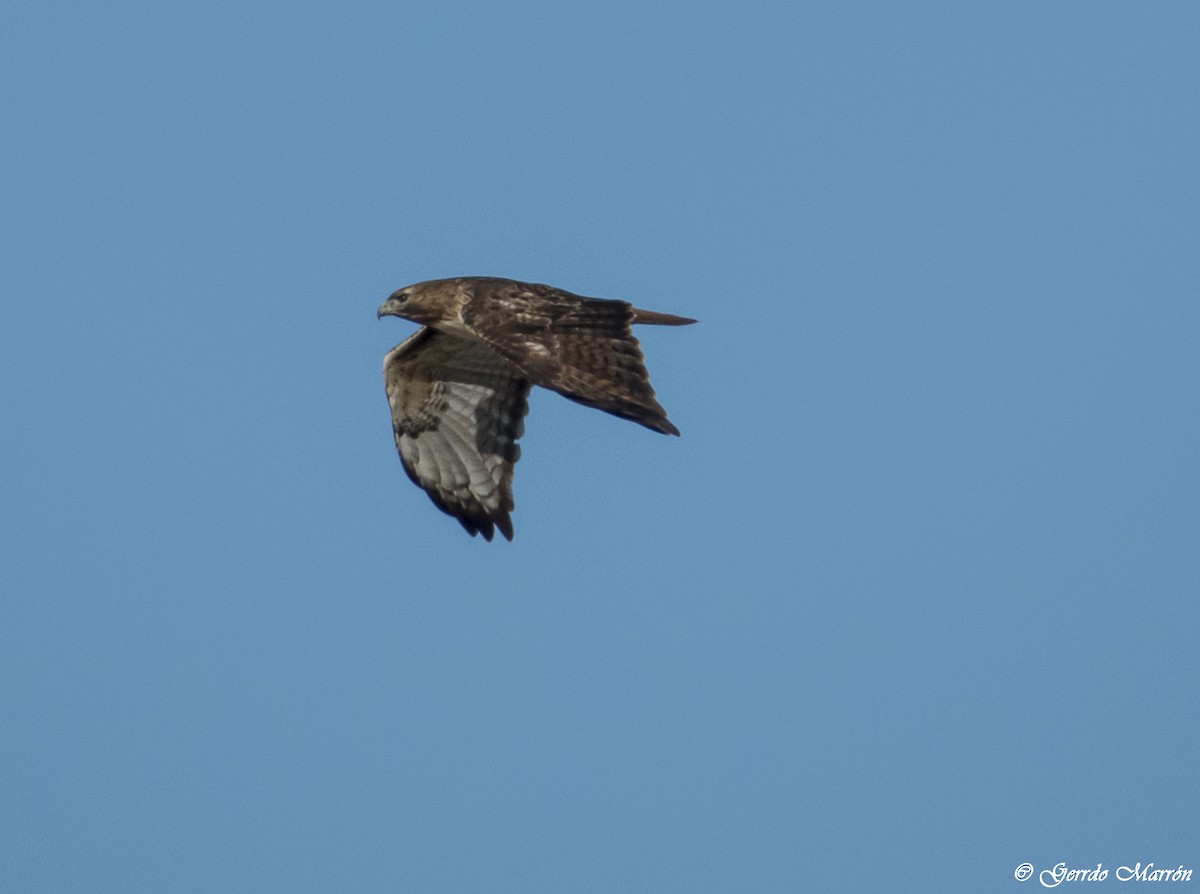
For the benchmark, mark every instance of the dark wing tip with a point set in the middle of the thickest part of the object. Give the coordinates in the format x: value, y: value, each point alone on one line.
x: 662, y: 426
x: 654, y: 419
x: 474, y: 528
x: 485, y: 525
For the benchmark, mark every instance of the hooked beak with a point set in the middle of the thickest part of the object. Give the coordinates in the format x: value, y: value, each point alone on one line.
x: 389, y: 308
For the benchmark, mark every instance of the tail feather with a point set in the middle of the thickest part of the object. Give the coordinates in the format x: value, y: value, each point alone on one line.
x: 654, y: 318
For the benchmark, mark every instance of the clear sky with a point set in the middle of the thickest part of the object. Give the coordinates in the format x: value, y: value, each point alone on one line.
x: 912, y: 601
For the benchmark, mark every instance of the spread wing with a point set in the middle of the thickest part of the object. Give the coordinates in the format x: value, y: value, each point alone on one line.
x: 458, y: 408
x: 583, y: 348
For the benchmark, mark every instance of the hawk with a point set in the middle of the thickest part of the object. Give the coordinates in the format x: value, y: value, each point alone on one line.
x: 458, y: 388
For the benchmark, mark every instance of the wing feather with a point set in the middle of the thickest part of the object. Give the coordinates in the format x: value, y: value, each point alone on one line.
x: 458, y: 408
x: 583, y: 348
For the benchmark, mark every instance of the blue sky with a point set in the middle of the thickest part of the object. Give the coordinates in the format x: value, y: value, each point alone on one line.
x: 911, y: 602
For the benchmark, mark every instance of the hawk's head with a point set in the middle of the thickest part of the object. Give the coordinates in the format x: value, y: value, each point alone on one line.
x: 425, y: 302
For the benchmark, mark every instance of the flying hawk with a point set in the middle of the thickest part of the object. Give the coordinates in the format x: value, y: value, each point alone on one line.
x: 458, y: 387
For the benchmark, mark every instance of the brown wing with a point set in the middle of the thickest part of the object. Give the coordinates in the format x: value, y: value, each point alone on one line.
x: 583, y: 348
x: 458, y: 408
